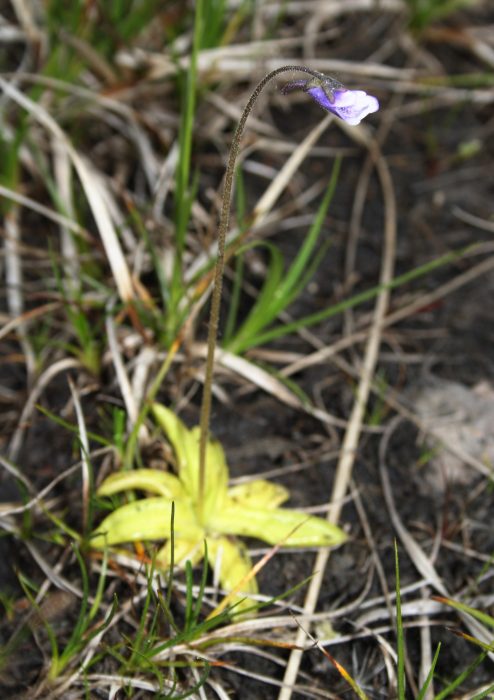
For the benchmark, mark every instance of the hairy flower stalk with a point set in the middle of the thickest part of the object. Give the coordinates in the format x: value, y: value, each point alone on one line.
x: 351, y: 106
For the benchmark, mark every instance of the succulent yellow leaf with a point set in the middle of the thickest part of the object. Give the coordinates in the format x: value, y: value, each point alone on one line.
x: 147, y: 519
x: 216, y: 476
x: 177, y: 434
x: 184, y: 549
x: 152, y: 480
x: 277, y: 525
x: 259, y: 494
x: 185, y: 443
x: 234, y: 562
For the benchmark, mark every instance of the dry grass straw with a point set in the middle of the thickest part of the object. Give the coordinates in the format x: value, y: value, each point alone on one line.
x: 93, y: 187
x: 228, y: 63
x: 85, y: 451
x: 351, y: 438
x: 64, y: 222
x: 14, y: 285
x: 42, y: 382
x: 421, y: 561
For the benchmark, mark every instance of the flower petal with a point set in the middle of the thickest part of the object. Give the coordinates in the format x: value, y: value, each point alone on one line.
x: 350, y: 105
x: 353, y: 105
x: 322, y: 97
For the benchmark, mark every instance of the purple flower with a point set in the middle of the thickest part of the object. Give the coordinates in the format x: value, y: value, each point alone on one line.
x: 350, y: 105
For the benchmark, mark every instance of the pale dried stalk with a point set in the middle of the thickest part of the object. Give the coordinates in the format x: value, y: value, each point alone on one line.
x: 350, y: 441
x: 93, y: 188
x: 85, y: 450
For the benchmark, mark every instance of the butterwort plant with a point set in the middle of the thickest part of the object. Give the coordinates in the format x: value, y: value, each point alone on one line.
x: 171, y: 513
x: 194, y: 505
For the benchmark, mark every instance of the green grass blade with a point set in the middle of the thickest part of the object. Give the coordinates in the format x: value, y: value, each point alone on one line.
x: 262, y: 312
x: 187, y: 636
x: 72, y: 427
x: 55, y: 652
x: 142, y: 661
x: 182, y: 193
x: 119, y: 418
x: 473, y: 640
x: 485, y: 693
x: 82, y: 618
x: 139, y: 639
x: 301, y: 261
x: 134, y: 17
x: 233, y: 306
x: 202, y: 586
x: 189, y: 597
x: 76, y: 640
x: 430, y: 675
x: 400, y: 646
x: 425, y: 13
x: 172, y: 558
x: 167, y: 613
x: 446, y: 692
x: 279, y: 289
x: 477, y: 614
x: 257, y: 606
x: 100, y: 588
x: 153, y: 253
x: 357, y: 299
x: 309, y: 272
x: 197, y: 686
x: 105, y: 624
x: 344, y: 674
x: 214, y: 28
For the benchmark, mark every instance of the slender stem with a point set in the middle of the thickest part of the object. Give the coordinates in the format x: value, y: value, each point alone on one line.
x: 220, y: 265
